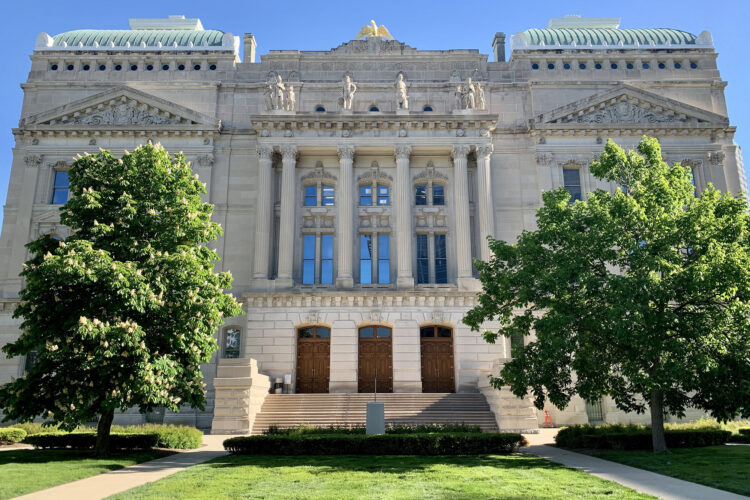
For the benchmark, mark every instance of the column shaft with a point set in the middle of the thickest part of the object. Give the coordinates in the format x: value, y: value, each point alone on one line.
x: 286, y: 230
x: 263, y: 213
x: 344, y: 277
x: 405, y: 278
x: 485, y: 208
x: 461, y: 202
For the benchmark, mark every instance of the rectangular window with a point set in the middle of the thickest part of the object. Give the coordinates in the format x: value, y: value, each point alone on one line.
x: 438, y: 195
x: 365, y: 196
x: 232, y: 343
x: 420, y: 194
x: 365, y: 259
x: 311, y: 196
x: 61, y: 188
x: 328, y: 197
x: 308, y: 262
x: 326, y: 259
x: 572, y: 182
x: 383, y: 195
x: 384, y: 258
x: 441, y: 260
x: 423, y: 259
x: 30, y: 361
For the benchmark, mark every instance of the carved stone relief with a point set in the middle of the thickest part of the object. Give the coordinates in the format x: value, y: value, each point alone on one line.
x: 628, y: 112
x: 124, y: 113
x: 319, y: 172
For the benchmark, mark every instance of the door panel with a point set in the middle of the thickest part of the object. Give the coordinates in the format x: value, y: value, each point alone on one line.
x: 313, y: 360
x: 437, y: 359
x: 375, y: 360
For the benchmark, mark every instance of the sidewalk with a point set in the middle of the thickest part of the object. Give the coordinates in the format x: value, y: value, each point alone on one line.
x: 643, y: 481
x: 104, y: 485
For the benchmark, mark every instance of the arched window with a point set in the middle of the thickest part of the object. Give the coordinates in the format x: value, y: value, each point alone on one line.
x: 231, y: 341
x: 374, y: 109
x: 427, y: 108
x: 320, y: 108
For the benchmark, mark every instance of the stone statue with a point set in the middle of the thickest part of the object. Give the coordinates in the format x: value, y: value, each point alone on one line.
x: 402, y: 99
x: 373, y: 29
x: 275, y: 94
x: 348, y: 90
x: 290, y: 100
x: 469, y: 95
x: 481, y: 103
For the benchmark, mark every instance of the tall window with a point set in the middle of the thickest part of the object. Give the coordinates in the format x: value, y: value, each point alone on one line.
x: 231, y: 342
x: 516, y: 341
x: 432, y: 259
x: 29, y: 362
x: 382, y: 195
x: 429, y: 194
x: 320, y: 258
x: 327, y: 196
x: 60, y: 189
x: 438, y: 194
x: 311, y: 196
x: 441, y: 260
x: 374, y: 259
x: 572, y: 182
x: 423, y: 259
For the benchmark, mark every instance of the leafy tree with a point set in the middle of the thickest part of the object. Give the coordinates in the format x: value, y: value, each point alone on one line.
x: 642, y: 295
x: 123, y: 312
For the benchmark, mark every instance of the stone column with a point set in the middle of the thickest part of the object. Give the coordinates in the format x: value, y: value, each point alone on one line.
x: 484, y: 193
x: 461, y: 202
x: 344, y: 278
x: 405, y: 278
x: 263, y: 213
x: 286, y: 230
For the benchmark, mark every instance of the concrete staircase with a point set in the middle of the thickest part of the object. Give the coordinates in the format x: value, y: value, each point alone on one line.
x: 323, y: 410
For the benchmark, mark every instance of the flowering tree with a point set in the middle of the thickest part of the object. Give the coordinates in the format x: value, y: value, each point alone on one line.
x: 123, y: 312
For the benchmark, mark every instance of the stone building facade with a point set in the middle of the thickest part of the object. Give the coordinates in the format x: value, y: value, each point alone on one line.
x: 355, y: 185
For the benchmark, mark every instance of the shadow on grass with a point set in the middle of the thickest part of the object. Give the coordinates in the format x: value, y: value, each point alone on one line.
x: 61, y: 456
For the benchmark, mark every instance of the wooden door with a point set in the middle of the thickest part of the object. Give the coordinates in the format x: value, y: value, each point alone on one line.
x: 313, y: 359
x: 437, y: 359
x: 375, y: 359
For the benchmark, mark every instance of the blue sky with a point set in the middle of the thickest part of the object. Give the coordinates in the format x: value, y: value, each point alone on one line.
x: 322, y: 25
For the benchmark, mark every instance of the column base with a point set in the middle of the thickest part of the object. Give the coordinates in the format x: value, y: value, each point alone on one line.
x: 260, y: 284
x: 345, y: 282
x: 403, y: 282
x: 469, y: 284
x: 282, y: 283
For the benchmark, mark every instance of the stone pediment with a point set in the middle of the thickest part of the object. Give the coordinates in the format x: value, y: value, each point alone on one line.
x: 373, y: 45
x: 625, y: 105
x: 122, y: 107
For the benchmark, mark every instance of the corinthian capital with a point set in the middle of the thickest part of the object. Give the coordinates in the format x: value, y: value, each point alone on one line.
x: 346, y: 152
x: 402, y: 152
x: 288, y: 152
x: 460, y: 151
x: 264, y: 152
x: 484, y: 150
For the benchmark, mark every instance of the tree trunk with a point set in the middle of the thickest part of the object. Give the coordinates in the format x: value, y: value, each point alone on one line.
x: 658, y: 439
x: 102, y: 433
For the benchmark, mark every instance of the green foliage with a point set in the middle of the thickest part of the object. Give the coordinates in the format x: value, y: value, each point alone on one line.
x: 33, y: 428
x: 745, y: 431
x: 383, y: 444
x: 85, y: 441
x: 643, y: 294
x: 11, y: 435
x: 176, y: 437
x: 304, y: 430
x: 636, y: 437
x: 123, y: 313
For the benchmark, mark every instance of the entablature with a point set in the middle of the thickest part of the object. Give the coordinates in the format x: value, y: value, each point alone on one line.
x: 420, y: 297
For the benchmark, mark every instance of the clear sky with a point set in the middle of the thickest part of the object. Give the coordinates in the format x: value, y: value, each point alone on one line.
x: 322, y: 25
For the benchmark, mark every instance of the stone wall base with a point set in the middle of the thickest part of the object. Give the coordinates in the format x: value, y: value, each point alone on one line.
x: 240, y: 392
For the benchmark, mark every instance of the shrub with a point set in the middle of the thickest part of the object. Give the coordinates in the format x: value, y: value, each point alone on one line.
x: 84, y: 441
x: 383, y: 444
x: 430, y: 428
x: 744, y: 431
x: 32, y: 428
x: 9, y: 435
x: 303, y: 430
x: 178, y: 437
x: 636, y: 437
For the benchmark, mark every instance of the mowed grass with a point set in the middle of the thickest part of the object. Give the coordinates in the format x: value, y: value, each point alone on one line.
x: 380, y: 477
x: 724, y: 467
x: 24, y: 471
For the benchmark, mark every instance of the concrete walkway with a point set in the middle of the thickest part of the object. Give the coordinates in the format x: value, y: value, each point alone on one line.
x: 640, y: 480
x: 110, y: 483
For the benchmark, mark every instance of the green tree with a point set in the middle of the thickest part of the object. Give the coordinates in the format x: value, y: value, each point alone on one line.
x: 642, y: 295
x: 123, y: 312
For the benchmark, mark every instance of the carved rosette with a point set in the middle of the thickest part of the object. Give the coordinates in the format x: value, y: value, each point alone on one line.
x: 402, y: 152
x: 346, y: 153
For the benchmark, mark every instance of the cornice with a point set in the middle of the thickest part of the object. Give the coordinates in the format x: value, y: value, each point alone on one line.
x: 427, y: 297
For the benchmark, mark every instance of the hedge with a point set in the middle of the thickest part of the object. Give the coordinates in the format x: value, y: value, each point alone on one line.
x: 177, y: 437
x: 304, y: 430
x: 383, y: 444
x: 10, y: 435
x: 85, y: 441
x: 745, y: 431
x: 622, y: 437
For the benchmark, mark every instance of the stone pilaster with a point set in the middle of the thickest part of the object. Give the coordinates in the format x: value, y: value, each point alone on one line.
x: 463, y: 227
x: 344, y: 278
x: 405, y: 277
x: 263, y: 213
x: 484, y: 193
x: 286, y: 230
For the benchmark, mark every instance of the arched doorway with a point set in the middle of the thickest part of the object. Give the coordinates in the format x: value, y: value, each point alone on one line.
x: 436, y: 344
x: 375, y: 359
x: 313, y: 359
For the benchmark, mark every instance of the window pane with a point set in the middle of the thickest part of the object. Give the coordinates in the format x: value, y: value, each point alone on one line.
x: 383, y: 195
x: 365, y: 258
x: 438, y: 195
x: 443, y: 332
x: 326, y: 260
x: 365, y: 272
x: 322, y: 332
x: 232, y: 343
x: 384, y: 251
x: 440, y: 246
x: 427, y: 331
x: 328, y: 196
x: 61, y: 178
x: 308, y: 263
x: 365, y: 195
x: 326, y: 272
x: 572, y: 182
x: 326, y: 246
x: 309, y: 246
x: 420, y: 194
x: 60, y: 190
x: 59, y: 196
x: 311, y: 196
x: 366, y: 332
x: 423, y: 264
x: 516, y: 342
x: 383, y: 332
x: 441, y: 264
x: 30, y: 361
x: 384, y: 262
x: 306, y: 333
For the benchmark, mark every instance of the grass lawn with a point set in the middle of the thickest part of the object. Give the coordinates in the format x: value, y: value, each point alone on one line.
x: 24, y: 471
x: 380, y: 477
x: 723, y: 467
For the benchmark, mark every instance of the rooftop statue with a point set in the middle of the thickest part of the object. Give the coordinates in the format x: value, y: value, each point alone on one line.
x: 373, y: 29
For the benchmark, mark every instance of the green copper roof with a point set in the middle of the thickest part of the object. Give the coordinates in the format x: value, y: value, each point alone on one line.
x: 135, y: 37
x: 608, y: 36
